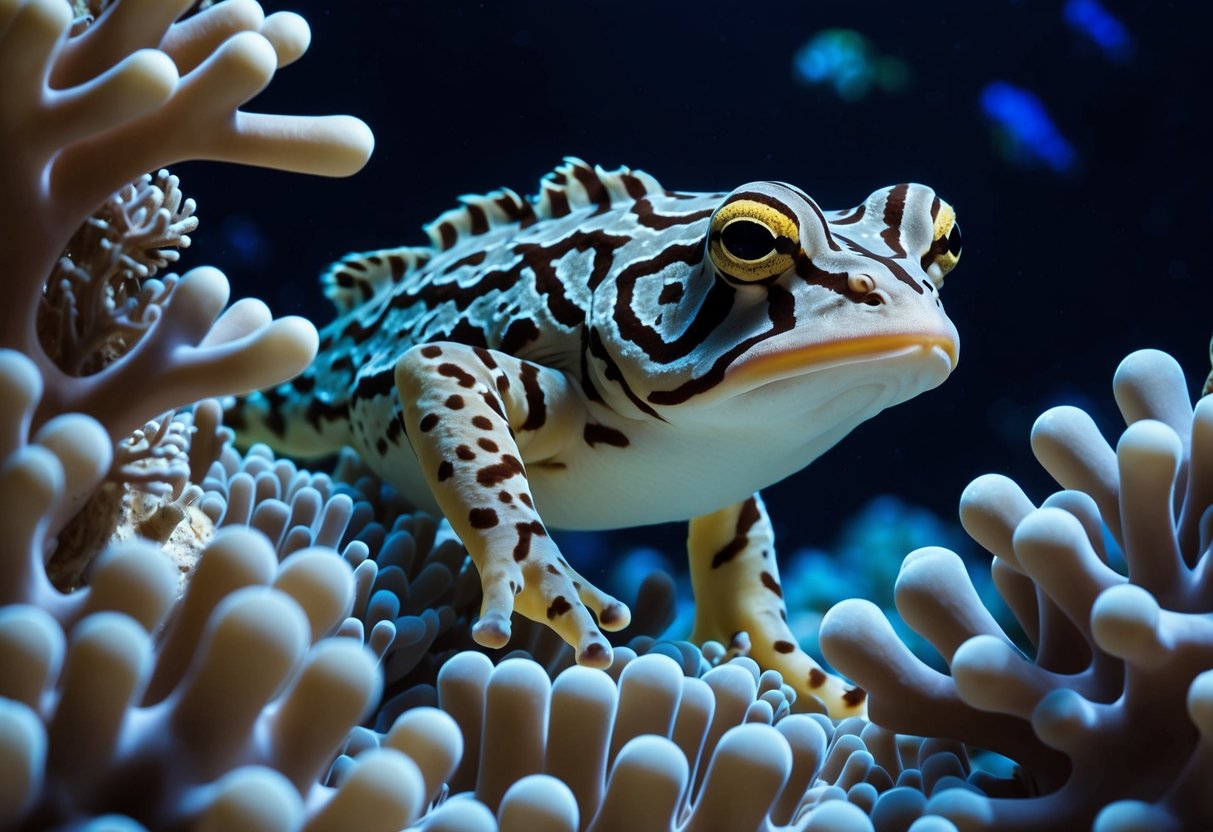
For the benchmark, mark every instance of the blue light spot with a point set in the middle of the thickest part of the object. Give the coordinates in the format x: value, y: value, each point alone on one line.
x: 848, y: 63
x: 1090, y: 18
x: 1024, y: 132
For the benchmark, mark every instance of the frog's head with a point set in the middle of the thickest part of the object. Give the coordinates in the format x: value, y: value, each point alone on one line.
x: 790, y: 314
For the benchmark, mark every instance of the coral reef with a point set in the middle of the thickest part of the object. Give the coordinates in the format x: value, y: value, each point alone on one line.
x: 1109, y: 719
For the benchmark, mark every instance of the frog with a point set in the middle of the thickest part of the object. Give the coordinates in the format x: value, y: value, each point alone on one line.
x: 610, y: 353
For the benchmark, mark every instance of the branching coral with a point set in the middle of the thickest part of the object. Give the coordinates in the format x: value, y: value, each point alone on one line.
x: 1110, y: 719
x: 85, y: 111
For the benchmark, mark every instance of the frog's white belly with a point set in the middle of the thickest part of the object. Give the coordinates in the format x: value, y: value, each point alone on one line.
x: 673, y: 472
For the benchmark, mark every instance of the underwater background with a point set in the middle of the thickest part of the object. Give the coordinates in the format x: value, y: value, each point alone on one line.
x: 1072, y: 136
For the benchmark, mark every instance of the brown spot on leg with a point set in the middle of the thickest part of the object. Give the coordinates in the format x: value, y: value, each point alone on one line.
x: 465, y: 453
x: 456, y: 372
x: 745, y: 521
x: 526, y: 531
x: 428, y: 421
x: 445, y: 470
x: 784, y: 647
x: 505, y: 497
x: 503, y: 383
x: 560, y: 606
x: 454, y: 401
x: 482, y: 422
x: 854, y: 697
x: 816, y: 678
x: 482, y: 518
x: 491, y: 476
x: 431, y: 351
x: 770, y: 583
x: 487, y: 444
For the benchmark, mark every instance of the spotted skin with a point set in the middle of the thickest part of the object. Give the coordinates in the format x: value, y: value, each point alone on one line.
x: 611, y: 353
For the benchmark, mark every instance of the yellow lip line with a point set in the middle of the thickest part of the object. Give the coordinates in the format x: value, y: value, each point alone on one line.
x: 775, y: 365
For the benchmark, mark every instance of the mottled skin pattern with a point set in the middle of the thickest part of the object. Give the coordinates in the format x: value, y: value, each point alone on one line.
x: 609, y: 353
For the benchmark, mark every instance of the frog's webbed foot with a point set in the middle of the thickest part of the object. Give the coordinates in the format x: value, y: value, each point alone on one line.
x: 471, y: 416
x: 737, y: 589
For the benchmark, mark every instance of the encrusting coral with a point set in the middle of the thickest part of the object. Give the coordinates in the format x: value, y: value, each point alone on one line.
x: 1111, y: 720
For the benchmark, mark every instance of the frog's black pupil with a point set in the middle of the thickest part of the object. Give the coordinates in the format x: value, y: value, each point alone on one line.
x: 747, y: 240
x: 954, y: 241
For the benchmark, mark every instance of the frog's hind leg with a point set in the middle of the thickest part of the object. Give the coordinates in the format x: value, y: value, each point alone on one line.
x: 736, y: 583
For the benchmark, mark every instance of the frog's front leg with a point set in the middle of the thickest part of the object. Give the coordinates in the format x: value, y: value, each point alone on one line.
x: 476, y: 418
x: 736, y: 583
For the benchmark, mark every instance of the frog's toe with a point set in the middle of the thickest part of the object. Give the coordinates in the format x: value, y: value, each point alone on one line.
x: 492, y: 630
x: 613, y: 616
x: 595, y: 651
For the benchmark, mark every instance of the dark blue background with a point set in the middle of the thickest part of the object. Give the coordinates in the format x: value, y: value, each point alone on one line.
x: 1061, y: 275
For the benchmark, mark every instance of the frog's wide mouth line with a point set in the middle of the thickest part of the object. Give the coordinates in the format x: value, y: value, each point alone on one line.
x: 783, y: 364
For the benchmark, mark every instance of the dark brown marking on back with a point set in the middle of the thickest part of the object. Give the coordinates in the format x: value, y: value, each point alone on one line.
x: 428, y: 421
x: 853, y: 217
x: 595, y: 191
x: 454, y: 401
x: 505, y: 497
x: 463, y: 262
x: 465, y: 453
x: 482, y: 422
x: 784, y: 647
x: 445, y: 470
x: 854, y: 697
x: 816, y: 678
x: 646, y: 216
x: 487, y: 444
x: 526, y: 499
x: 479, y: 220
x: 447, y: 235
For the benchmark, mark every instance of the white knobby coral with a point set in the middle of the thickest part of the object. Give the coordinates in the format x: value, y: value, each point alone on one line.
x: 87, y: 110
x: 1110, y: 718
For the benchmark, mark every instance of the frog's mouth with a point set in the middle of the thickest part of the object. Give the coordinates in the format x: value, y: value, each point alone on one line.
x: 780, y: 365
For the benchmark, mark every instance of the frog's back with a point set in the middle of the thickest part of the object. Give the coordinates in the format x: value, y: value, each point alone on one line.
x: 501, y: 272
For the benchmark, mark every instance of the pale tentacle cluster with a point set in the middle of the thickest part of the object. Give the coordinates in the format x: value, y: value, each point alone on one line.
x: 1111, y: 719
x: 86, y: 110
x: 642, y: 746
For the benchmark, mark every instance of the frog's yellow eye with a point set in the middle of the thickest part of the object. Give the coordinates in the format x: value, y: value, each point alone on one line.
x: 944, y: 253
x: 752, y: 242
